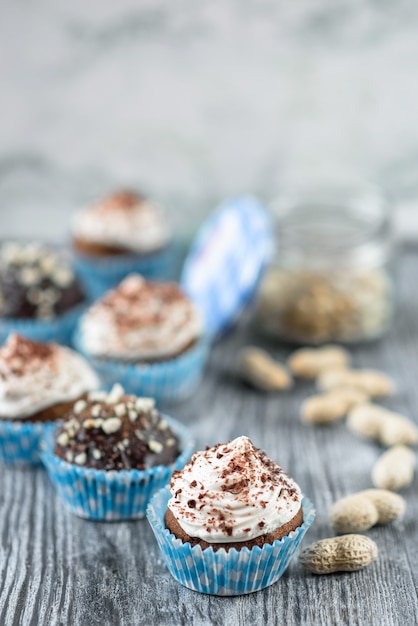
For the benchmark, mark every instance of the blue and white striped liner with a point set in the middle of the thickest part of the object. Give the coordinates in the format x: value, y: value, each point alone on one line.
x: 223, y: 573
x: 111, y: 495
x: 226, y: 261
x: 103, y: 273
x: 171, y: 380
x: 59, y: 329
x: 19, y: 442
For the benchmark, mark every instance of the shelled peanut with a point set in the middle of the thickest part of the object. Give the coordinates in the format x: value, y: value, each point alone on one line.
x: 347, y: 553
x: 310, y: 362
x: 386, y: 427
x: 362, y: 510
x: 330, y: 407
x: 257, y: 368
x: 394, y: 470
x: 375, y: 383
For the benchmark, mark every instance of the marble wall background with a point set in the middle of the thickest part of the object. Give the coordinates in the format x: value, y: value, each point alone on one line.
x: 195, y: 101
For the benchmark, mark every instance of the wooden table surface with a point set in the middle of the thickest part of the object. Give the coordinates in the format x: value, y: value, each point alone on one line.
x: 58, y: 569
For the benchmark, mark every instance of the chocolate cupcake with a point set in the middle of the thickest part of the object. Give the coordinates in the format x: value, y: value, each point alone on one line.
x: 40, y: 295
x: 111, y: 454
x: 123, y: 223
x: 233, y: 495
x: 233, y: 521
x: 114, y: 431
x: 38, y: 383
x: 147, y: 335
x: 122, y: 233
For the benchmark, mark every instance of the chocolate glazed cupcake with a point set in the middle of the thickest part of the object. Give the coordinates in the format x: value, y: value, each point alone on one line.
x: 231, y: 520
x: 38, y: 383
x: 40, y: 296
x: 115, y: 431
x: 112, y: 453
x: 146, y: 335
x: 233, y: 495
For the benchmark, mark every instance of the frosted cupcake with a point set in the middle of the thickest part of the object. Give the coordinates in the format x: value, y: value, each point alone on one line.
x: 122, y: 233
x: 40, y: 295
x: 112, y: 452
x: 38, y: 383
x: 148, y: 336
x: 231, y: 520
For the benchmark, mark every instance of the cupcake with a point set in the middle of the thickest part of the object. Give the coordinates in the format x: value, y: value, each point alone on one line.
x: 112, y: 452
x: 148, y: 336
x: 123, y: 233
x: 40, y: 295
x: 231, y: 520
x: 38, y: 383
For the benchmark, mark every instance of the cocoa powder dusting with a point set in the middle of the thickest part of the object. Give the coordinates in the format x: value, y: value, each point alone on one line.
x: 20, y: 355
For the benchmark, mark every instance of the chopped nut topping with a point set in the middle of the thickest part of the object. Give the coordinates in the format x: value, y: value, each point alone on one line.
x: 63, y: 439
x: 79, y: 406
x: 155, y: 446
x: 115, y: 394
x: 97, y: 396
x: 120, y: 410
x: 144, y: 404
x: 111, y: 425
x: 81, y: 458
x: 89, y: 423
x: 62, y: 277
x: 96, y: 410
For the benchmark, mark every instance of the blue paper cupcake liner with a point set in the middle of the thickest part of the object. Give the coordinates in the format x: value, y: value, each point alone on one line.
x: 20, y: 442
x: 59, y: 329
x: 223, y: 573
x: 174, y: 379
x: 111, y: 495
x: 101, y: 274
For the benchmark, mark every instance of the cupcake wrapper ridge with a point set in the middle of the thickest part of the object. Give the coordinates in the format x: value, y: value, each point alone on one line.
x: 174, y: 379
x: 223, y: 573
x: 20, y: 442
x: 59, y: 329
x: 102, y: 273
x: 111, y: 495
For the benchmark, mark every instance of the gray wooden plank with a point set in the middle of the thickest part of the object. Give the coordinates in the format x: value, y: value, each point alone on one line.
x: 58, y: 569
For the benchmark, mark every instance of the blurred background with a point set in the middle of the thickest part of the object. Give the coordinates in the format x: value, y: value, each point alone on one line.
x: 193, y: 103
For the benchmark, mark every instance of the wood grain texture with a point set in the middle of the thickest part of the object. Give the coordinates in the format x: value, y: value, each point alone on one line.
x: 58, y: 569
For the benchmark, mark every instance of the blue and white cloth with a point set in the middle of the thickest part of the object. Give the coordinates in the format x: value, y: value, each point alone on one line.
x: 111, y: 495
x: 225, y: 263
x: 223, y: 573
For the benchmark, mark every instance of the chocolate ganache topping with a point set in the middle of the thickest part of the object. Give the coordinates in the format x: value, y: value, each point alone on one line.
x: 116, y: 431
x: 35, y: 282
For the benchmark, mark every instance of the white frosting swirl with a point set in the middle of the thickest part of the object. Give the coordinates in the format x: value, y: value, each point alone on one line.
x: 124, y: 221
x: 35, y: 376
x: 232, y: 492
x: 140, y: 320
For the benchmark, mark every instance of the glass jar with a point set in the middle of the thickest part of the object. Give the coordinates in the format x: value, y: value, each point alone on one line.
x: 330, y: 280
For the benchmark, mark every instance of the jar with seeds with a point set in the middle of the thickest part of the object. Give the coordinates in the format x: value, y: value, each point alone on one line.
x: 331, y: 276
